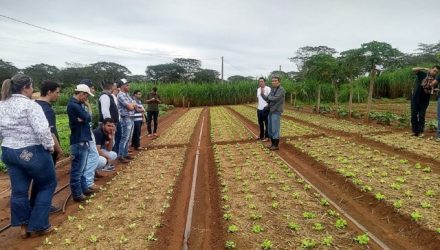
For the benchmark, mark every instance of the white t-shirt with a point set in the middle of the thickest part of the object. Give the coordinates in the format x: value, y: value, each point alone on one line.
x: 261, y: 102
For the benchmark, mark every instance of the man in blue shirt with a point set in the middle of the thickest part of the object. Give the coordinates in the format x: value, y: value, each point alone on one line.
x: 50, y: 91
x: 79, y: 123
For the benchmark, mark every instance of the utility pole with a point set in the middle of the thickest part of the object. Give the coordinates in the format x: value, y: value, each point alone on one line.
x: 222, y: 69
x: 280, y: 67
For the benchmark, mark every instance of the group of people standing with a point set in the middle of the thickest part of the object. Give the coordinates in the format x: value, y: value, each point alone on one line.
x: 31, y: 146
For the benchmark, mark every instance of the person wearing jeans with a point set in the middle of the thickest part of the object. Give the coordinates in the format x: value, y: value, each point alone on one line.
x: 126, y: 106
x: 80, y: 136
x: 275, y: 99
x: 153, y: 101
x: 27, y: 144
x: 263, y: 109
x: 104, y: 135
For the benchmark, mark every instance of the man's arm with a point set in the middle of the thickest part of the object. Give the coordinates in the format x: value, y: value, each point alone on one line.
x: 278, y: 95
x: 417, y: 69
x: 105, y: 106
x: 57, y: 147
x: 124, y: 101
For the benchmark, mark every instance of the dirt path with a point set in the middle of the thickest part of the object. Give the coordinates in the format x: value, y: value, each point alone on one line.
x: 10, y: 238
x: 205, y: 230
x: 397, y: 231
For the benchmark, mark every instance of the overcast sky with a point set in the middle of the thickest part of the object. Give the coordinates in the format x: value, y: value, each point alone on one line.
x: 255, y: 37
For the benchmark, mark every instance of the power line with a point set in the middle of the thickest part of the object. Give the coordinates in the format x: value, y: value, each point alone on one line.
x: 90, y: 41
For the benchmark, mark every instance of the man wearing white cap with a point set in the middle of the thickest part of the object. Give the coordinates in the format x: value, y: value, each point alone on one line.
x: 79, y: 123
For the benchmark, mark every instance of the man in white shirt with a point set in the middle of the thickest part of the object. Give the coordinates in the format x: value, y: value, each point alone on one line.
x: 262, y: 109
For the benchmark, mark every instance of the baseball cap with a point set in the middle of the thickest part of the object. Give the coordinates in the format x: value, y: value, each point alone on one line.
x: 122, y: 82
x: 83, y: 88
x: 87, y: 82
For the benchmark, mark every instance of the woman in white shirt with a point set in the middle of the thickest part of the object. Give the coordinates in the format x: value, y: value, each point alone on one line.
x: 27, y: 145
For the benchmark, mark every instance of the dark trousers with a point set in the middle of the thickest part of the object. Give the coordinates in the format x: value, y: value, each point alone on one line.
x: 152, y: 116
x: 263, y: 123
x: 136, y: 138
x: 117, y: 137
x: 418, y: 111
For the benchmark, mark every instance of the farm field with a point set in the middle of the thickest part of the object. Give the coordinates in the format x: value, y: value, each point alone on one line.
x: 333, y: 184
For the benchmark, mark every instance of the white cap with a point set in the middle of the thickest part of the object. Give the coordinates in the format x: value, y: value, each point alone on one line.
x: 83, y: 88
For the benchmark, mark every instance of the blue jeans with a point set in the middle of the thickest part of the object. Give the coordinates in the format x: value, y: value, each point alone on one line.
x: 438, y: 117
x: 127, y: 128
x: 26, y: 164
x: 92, y: 163
x: 117, y: 137
x: 274, y: 125
x: 78, y: 184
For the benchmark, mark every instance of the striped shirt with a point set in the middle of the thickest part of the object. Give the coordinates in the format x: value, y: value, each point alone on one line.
x: 23, y: 124
x: 123, y: 100
x: 138, y: 115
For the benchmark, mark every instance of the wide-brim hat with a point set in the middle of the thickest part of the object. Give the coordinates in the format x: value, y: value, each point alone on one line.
x: 83, y: 88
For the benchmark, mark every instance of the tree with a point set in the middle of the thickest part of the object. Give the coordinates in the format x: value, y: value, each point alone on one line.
x: 206, y: 75
x: 305, y: 53
x: 170, y: 72
x: 138, y: 78
x: 107, y: 71
x: 378, y: 54
x: 191, y: 66
x: 7, y: 70
x: 281, y: 74
x: 352, y: 68
x: 238, y: 78
x: 320, y: 68
x: 41, y: 72
x: 74, y: 73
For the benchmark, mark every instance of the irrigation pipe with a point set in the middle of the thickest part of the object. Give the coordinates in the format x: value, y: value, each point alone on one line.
x: 193, y: 191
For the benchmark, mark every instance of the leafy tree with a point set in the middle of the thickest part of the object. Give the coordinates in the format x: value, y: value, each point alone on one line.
x: 170, y: 72
x: 303, y: 54
x: 238, y: 78
x: 191, y: 66
x: 109, y: 71
x: 7, y: 70
x: 321, y: 69
x: 352, y: 68
x: 378, y: 54
x: 41, y: 72
x: 278, y: 73
x: 207, y: 75
x: 138, y: 78
x: 74, y: 74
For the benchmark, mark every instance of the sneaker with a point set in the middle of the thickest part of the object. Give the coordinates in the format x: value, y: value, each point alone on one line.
x: 150, y: 135
x: 88, y: 192
x: 437, y: 139
x: 80, y: 199
x: 128, y: 157
x: 108, y: 168
x: 123, y: 160
x: 265, y: 139
x: 155, y: 134
x: 139, y: 148
x: 42, y: 232
x: 54, y: 209
x: 94, y: 188
x: 421, y: 135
